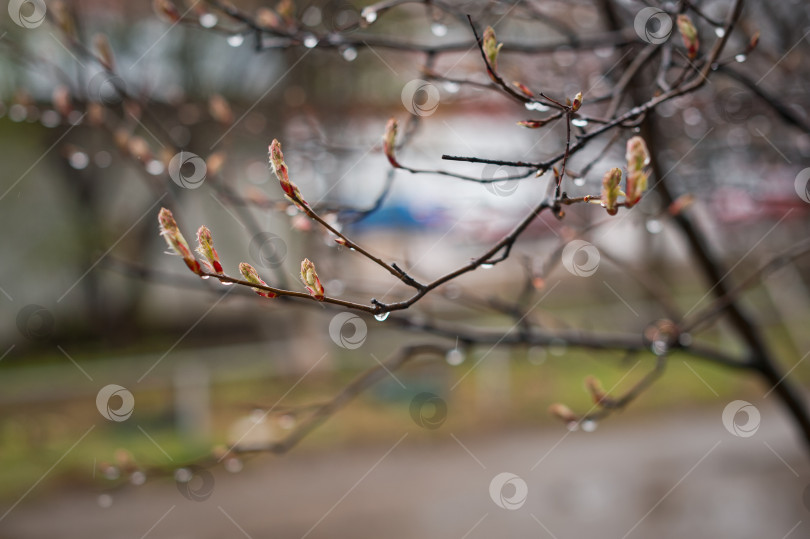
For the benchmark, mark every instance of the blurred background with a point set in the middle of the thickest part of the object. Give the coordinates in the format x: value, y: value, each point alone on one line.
x: 95, y: 312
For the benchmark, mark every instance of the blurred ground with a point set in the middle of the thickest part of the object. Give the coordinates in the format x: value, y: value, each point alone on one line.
x: 627, y: 479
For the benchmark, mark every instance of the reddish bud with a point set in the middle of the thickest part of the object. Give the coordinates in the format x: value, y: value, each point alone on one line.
x: 689, y: 35
x: 752, y: 44
x: 281, y: 172
x: 267, y: 17
x: 532, y: 124
x: 220, y: 110
x: 563, y: 412
x: 577, y: 102
x: 214, y: 162
x: 205, y: 246
x: 389, y: 142
x: 311, y: 280
x: 174, y: 238
x: 167, y: 10
x: 680, y: 204
x: 61, y: 100
x: 523, y: 89
x: 251, y: 276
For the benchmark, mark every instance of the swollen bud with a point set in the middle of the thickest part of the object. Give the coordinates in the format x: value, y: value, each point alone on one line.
x: 532, y: 124
x: 491, y: 48
x: 174, y: 238
x: 311, y: 280
x: 220, y: 110
x: 105, y: 52
x: 577, y: 102
x: 167, y: 10
x: 596, y: 390
x: 389, y: 142
x: 611, y: 189
x: 637, y: 158
x: 281, y: 172
x: 251, y: 276
x: 689, y: 35
x: 563, y: 412
x: 523, y: 89
x: 205, y: 246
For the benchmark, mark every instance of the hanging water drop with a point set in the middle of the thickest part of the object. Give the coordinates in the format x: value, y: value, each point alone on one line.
x: 719, y: 31
x: 381, y: 317
x: 579, y: 122
x: 236, y: 40
x: 208, y: 20
x: 349, y: 54
x: 79, y: 160
x: 137, y: 478
x: 370, y: 16
x: 654, y: 226
x: 589, y: 425
x: 310, y: 41
x: 451, y: 87
x: 536, y: 105
x: 487, y: 266
x: 454, y: 357
x: 740, y: 58
x: 579, y: 182
x: 233, y: 465
x: 438, y: 29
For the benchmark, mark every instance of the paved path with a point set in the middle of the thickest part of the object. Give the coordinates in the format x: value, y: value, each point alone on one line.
x: 669, y: 477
